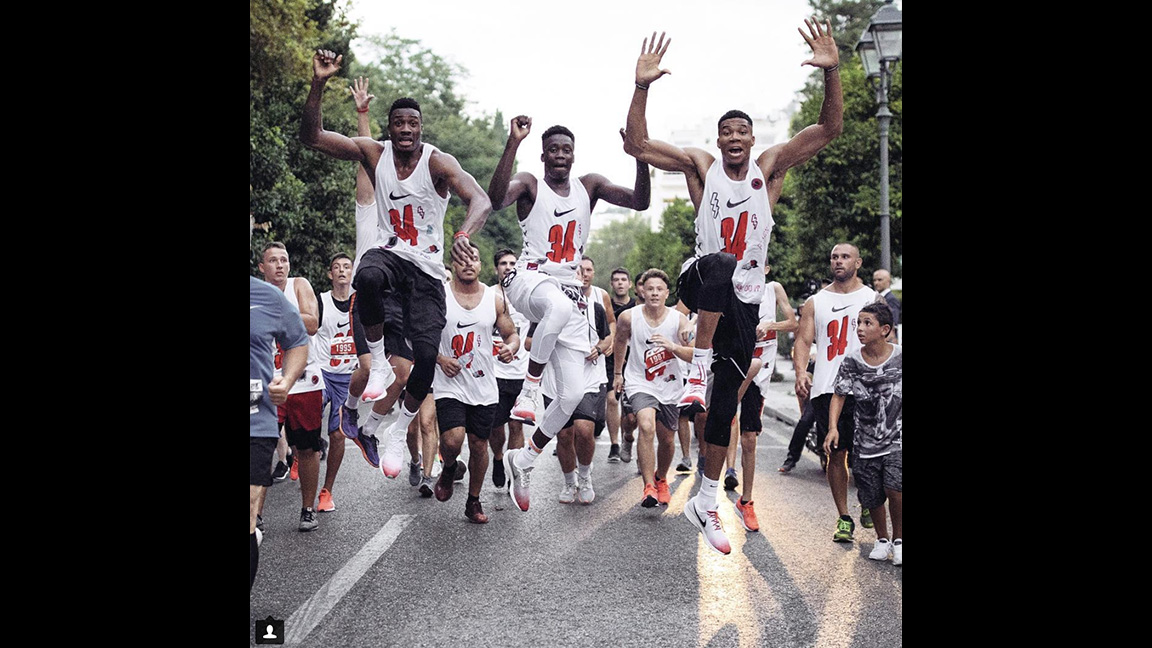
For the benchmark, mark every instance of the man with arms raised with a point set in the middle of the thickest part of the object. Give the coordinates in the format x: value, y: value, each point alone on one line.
x: 724, y: 280
x: 554, y: 217
x: 412, y: 181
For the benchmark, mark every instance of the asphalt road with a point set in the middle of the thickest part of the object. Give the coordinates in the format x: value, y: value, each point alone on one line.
x: 390, y: 568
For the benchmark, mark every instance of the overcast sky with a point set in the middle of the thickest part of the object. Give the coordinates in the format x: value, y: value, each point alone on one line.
x: 574, y: 64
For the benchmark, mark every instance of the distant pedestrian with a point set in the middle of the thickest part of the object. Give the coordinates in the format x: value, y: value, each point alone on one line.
x: 882, y: 282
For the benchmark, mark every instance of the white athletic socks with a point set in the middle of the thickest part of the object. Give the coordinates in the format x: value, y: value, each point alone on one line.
x: 570, y: 478
x: 527, y: 456
x: 702, y: 359
x: 707, y: 495
x: 585, y: 471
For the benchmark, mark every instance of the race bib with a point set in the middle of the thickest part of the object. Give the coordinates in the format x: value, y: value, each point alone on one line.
x: 256, y: 394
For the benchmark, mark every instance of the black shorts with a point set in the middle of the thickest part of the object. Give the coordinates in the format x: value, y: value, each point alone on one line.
x: 475, y: 419
x: 509, y: 390
x: 586, y: 410
x: 260, y: 451
x: 751, y: 410
x: 420, y: 296
x: 846, y: 424
x: 707, y: 285
x: 875, y: 475
x: 394, y: 341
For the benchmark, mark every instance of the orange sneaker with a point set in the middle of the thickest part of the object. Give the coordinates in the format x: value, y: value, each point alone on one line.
x: 663, y: 493
x: 650, y: 496
x: 294, y: 474
x: 747, y: 515
x: 326, y: 503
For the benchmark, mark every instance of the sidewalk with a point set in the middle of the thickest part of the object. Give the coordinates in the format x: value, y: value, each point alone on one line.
x: 780, y: 398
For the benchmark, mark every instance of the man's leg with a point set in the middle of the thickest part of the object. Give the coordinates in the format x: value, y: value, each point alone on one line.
x: 665, y: 452
x: 799, y: 435
x: 566, y: 456
x: 552, y: 310
x: 451, y: 441
x: 701, y: 509
x: 612, y: 418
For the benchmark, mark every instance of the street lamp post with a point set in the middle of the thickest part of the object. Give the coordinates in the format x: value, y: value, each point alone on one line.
x: 880, y: 47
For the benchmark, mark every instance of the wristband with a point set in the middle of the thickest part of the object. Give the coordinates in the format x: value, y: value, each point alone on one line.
x: 833, y: 68
x: 461, y: 233
x: 642, y: 87
x: 362, y: 111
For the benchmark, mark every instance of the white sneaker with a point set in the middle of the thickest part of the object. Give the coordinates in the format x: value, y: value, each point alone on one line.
x: 259, y: 537
x: 881, y: 550
x: 380, y: 376
x: 898, y: 552
x: 568, y: 495
x: 393, y: 458
x: 520, y: 478
x: 527, y: 404
x: 584, y: 489
x: 695, y: 393
x: 707, y: 523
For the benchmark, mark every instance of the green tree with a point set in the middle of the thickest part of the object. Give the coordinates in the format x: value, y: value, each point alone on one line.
x: 835, y: 196
x: 668, y: 248
x: 611, y: 245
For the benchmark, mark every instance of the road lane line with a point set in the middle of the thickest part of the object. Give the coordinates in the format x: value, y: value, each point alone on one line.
x: 312, y: 612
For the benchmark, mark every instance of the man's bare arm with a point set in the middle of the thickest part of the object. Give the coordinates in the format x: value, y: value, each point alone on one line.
x: 802, y: 348
x: 503, y: 189
x: 309, y: 307
x: 464, y: 185
x: 365, y: 184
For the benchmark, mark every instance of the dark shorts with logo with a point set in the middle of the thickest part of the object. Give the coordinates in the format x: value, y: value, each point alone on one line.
x: 475, y: 419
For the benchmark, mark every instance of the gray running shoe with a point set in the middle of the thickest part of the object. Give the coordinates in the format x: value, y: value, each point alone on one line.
x: 308, y: 520
x: 416, y: 471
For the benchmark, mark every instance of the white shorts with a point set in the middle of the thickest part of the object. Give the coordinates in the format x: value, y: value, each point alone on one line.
x: 768, y: 358
x: 577, y: 335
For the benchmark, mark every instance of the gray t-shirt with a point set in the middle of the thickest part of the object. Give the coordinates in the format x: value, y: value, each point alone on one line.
x: 878, y: 393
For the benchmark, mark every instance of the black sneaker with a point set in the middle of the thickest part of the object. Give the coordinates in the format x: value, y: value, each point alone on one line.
x: 443, y: 488
x: 498, y: 477
x: 308, y: 520
x: 787, y: 466
x: 474, y: 512
x: 323, y: 448
x: 281, y: 471
x: 614, y: 453
x: 730, y: 481
x: 461, y: 468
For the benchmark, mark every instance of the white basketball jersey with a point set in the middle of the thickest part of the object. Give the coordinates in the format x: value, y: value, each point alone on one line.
x: 734, y: 217
x: 411, y: 213
x: 310, y: 379
x: 836, y: 317
x: 467, y: 337
x: 556, y: 230
x: 518, y: 368
x: 335, y: 348
x: 367, y: 231
x: 653, y: 369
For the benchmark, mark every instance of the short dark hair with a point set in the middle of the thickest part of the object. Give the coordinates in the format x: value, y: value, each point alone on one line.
x: 557, y: 130
x: 655, y: 272
x: 621, y: 270
x: 405, y: 102
x: 593, y: 261
x: 500, y: 254
x: 734, y: 113
x: 337, y: 256
x: 273, y: 244
x: 881, y: 311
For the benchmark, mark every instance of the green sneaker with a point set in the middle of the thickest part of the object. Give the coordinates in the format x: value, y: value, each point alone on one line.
x: 844, y: 529
x: 866, y: 518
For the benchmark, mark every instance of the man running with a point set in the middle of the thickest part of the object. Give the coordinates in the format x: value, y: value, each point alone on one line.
x: 724, y: 280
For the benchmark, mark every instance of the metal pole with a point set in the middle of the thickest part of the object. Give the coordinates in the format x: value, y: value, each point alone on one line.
x: 883, y: 116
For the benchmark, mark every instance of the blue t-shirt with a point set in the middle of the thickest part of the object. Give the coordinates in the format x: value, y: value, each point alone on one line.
x: 272, y: 319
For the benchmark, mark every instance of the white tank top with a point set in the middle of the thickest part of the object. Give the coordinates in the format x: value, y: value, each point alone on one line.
x: 335, y: 348
x: 516, y: 369
x: 556, y: 230
x: 310, y: 379
x: 411, y: 213
x: 836, y: 316
x: 463, y: 338
x: 367, y: 231
x: 768, y: 312
x: 735, y: 217
x: 653, y: 369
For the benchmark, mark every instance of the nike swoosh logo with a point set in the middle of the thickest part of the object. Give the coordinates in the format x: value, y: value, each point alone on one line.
x: 837, y: 310
x: 342, y: 325
x: 559, y: 214
x: 397, y: 197
x: 732, y: 204
x: 459, y: 325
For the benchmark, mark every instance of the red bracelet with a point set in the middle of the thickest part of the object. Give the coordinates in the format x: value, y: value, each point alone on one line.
x: 462, y: 233
x: 362, y: 111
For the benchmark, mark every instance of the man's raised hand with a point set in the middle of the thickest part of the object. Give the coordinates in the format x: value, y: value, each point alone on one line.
x: 360, y: 95
x: 819, y: 38
x: 648, y: 65
x: 520, y: 127
x: 325, y: 63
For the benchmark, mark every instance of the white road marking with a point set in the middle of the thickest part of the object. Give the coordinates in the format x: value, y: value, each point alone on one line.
x: 312, y: 612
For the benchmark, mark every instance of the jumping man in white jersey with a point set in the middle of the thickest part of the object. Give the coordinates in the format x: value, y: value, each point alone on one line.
x: 412, y: 181
x: 554, y: 217
x: 724, y: 280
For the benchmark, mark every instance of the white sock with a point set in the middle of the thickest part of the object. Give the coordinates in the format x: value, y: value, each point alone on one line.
x: 374, y: 421
x: 707, y: 495
x: 402, y: 422
x: 584, y: 471
x: 702, y: 359
x: 351, y: 402
x: 570, y: 478
x: 526, y: 457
